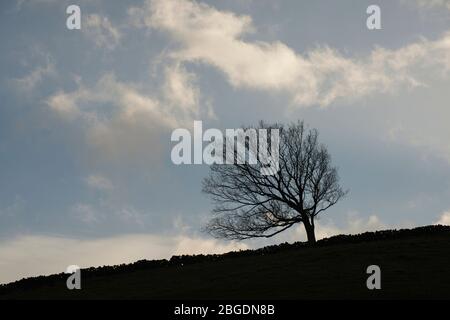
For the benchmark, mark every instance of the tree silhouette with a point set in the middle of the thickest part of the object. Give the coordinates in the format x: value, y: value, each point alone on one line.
x: 249, y: 204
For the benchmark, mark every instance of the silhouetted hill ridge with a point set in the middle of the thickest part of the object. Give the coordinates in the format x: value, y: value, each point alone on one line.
x: 184, y: 260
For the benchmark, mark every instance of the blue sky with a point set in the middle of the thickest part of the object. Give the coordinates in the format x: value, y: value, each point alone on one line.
x: 86, y: 117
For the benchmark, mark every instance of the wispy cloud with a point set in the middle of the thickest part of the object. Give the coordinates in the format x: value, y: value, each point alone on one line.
x: 33, y: 255
x: 354, y: 223
x: 434, y: 3
x: 444, y: 219
x: 101, y: 31
x: 36, y: 76
x: 99, y: 182
x: 120, y: 119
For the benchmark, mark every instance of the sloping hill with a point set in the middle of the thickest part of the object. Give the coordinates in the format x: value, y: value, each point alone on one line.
x: 414, y: 264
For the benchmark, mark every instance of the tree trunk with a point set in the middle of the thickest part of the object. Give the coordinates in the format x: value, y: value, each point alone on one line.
x: 310, y: 232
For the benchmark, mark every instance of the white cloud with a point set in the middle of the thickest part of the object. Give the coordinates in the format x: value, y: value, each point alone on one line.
x: 28, y: 82
x: 33, y: 255
x: 101, y: 31
x: 319, y: 76
x: 434, y: 3
x: 99, y: 182
x: 20, y: 3
x: 123, y: 98
x: 355, y: 224
x: 86, y: 213
x: 64, y: 104
x: 121, y: 120
x: 325, y: 228
x: 444, y: 219
x: 107, y: 210
x: 180, y: 88
x: 129, y: 214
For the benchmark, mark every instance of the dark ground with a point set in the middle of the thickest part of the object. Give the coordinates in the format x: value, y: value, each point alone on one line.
x: 414, y: 264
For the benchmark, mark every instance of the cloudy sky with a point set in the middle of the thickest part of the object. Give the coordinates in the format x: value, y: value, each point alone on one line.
x: 86, y: 117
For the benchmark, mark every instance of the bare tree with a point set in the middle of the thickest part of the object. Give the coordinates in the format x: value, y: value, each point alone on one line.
x: 249, y: 204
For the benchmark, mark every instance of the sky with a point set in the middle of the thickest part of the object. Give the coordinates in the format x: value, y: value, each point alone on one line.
x: 86, y: 117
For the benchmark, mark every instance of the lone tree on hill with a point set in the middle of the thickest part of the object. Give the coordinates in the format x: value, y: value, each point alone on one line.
x: 249, y: 204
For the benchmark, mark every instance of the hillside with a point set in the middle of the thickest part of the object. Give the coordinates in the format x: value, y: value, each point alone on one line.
x: 414, y: 264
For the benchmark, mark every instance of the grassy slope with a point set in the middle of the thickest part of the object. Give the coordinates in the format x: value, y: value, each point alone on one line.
x: 412, y: 266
